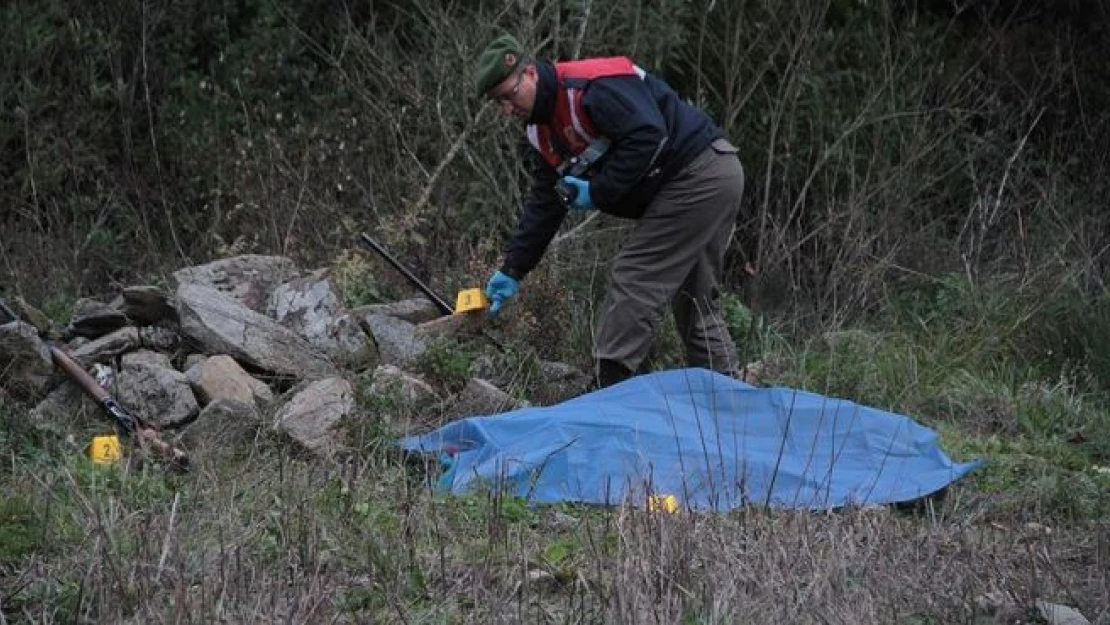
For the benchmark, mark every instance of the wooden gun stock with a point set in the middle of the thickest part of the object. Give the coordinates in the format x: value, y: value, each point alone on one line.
x: 128, y: 424
x: 146, y: 436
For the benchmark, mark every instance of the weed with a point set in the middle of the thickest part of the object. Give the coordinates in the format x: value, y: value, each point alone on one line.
x: 20, y: 532
x: 446, y: 362
x: 34, y: 521
x: 354, y: 276
x: 23, y: 437
x: 541, y: 315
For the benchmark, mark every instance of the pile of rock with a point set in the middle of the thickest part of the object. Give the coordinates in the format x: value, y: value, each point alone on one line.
x: 242, y: 342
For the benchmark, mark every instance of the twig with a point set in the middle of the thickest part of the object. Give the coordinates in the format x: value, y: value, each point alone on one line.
x: 154, y: 148
x: 1006, y: 174
x: 586, y: 4
x: 451, y: 154
x: 296, y: 211
x: 166, y: 540
x: 988, y: 219
x: 573, y: 232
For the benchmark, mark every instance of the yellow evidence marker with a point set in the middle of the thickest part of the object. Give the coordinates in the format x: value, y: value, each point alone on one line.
x: 104, y: 449
x: 470, y: 300
x: 662, y: 503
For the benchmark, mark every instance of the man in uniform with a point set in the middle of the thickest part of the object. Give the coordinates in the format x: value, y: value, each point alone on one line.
x: 614, y: 138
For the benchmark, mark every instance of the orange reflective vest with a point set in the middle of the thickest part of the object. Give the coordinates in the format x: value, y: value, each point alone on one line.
x: 570, y: 131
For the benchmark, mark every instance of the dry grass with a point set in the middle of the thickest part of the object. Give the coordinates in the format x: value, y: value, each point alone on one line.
x: 273, y: 538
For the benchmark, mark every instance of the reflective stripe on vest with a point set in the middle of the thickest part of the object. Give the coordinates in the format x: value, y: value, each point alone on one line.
x: 569, y: 121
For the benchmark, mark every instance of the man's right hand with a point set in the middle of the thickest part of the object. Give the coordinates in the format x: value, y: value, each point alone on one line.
x: 500, y: 288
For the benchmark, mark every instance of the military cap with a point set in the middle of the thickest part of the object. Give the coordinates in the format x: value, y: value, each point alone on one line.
x: 497, y: 62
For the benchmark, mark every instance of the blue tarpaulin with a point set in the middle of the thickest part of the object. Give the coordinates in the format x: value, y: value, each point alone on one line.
x: 711, y: 442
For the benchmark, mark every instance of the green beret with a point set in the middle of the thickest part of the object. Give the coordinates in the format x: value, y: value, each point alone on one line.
x: 497, y: 63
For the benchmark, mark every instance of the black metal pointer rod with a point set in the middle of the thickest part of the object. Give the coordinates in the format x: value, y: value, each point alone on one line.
x: 440, y: 303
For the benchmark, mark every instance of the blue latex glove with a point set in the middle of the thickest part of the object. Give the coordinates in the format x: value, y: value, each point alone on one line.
x: 500, y: 288
x: 582, y: 200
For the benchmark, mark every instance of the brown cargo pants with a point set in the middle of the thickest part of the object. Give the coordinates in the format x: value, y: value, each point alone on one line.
x: 675, y: 255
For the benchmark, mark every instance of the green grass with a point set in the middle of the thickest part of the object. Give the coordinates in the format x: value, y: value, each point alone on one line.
x: 956, y: 356
x: 446, y: 362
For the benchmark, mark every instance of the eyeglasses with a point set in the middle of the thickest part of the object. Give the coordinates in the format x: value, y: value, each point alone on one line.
x: 507, y: 98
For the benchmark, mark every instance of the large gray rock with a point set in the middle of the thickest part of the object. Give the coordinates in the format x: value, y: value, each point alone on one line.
x: 397, y: 340
x: 312, y: 414
x: 108, y: 346
x: 149, y: 385
x: 449, y: 326
x: 311, y: 306
x: 66, y: 403
x: 416, y: 310
x: 221, y: 325
x: 1006, y: 607
x: 225, y: 428
x: 249, y: 279
x: 1057, y: 614
x: 481, y: 397
x: 220, y: 377
x: 92, y: 319
x: 413, y: 392
x: 33, y: 316
x: 147, y: 305
x: 26, y: 368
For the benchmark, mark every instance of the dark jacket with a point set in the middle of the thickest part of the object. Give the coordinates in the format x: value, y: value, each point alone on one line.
x: 654, y: 135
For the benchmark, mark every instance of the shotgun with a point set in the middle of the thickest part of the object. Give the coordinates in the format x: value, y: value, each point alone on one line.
x: 127, y: 423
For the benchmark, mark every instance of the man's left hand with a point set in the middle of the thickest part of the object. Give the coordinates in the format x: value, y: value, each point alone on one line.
x: 582, y: 200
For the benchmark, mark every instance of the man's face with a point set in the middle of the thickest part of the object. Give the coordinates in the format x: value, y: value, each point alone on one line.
x: 516, y: 95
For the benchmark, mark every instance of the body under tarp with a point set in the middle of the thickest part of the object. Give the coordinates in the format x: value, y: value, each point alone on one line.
x: 711, y: 442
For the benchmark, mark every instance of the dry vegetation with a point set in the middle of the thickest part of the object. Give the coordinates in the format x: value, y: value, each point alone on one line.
x: 926, y: 204
x: 276, y: 539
